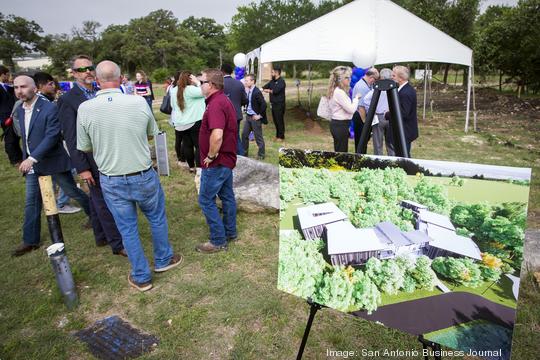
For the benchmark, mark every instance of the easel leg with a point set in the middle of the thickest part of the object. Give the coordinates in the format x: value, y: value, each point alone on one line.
x: 314, y: 307
x: 436, y: 348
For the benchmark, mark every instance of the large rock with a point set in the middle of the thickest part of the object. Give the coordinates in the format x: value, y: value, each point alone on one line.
x: 256, y: 185
x: 531, y: 251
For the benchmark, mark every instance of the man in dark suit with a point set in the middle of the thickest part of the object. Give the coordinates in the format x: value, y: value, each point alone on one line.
x: 235, y: 91
x: 43, y: 154
x: 103, y: 225
x: 407, y: 104
x: 276, y: 89
x: 7, y: 100
x: 255, y: 117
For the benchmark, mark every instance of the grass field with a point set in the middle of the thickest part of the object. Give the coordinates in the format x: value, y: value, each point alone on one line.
x: 226, y: 306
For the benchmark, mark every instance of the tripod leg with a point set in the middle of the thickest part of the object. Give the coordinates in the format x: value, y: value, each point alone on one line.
x: 396, y: 121
x: 362, y: 143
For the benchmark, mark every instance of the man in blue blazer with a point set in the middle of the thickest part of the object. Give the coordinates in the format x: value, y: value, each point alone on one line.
x: 43, y: 154
x: 103, y: 225
x: 407, y: 104
x: 235, y: 91
x: 255, y: 117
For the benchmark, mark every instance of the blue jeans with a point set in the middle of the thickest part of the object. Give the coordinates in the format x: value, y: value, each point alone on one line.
x: 62, y: 199
x: 33, y: 203
x: 122, y: 195
x: 218, y: 181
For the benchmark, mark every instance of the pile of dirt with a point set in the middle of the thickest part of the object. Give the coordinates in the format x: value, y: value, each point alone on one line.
x: 310, y: 125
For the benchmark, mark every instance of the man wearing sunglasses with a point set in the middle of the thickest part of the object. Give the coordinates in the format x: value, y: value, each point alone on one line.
x: 103, y: 225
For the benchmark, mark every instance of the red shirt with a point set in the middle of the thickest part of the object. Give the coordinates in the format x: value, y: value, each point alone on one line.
x: 219, y: 114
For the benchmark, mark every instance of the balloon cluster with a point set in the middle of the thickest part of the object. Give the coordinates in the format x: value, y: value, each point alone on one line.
x: 65, y: 86
x: 239, y: 73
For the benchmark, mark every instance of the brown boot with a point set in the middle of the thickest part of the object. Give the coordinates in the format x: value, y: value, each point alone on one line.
x: 208, y: 248
x: 23, y: 249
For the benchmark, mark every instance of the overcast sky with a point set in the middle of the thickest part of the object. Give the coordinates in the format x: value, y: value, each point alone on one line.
x: 60, y: 16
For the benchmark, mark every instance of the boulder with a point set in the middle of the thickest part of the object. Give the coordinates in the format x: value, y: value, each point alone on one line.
x: 256, y: 185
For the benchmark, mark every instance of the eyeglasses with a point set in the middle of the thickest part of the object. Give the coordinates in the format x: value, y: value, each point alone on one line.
x: 51, y: 83
x: 205, y: 82
x: 85, y: 69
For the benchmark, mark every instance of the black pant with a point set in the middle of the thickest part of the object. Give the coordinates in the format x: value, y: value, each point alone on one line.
x: 11, y: 144
x: 256, y: 127
x: 190, y: 144
x: 178, y: 146
x: 278, y: 112
x: 103, y: 224
x: 358, y: 125
x: 340, y: 133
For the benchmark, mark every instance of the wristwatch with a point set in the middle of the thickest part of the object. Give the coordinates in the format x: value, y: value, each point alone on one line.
x: 212, y: 157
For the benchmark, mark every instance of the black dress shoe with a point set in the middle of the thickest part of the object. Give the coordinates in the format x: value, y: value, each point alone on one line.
x: 101, y: 243
x: 23, y: 249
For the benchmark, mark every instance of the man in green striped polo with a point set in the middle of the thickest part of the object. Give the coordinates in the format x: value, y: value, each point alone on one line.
x: 117, y: 127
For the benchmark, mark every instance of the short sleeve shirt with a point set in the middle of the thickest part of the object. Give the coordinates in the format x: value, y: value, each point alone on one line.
x: 219, y: 114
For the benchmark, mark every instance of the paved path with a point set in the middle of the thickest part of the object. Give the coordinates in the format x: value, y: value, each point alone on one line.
x: 439, y: 312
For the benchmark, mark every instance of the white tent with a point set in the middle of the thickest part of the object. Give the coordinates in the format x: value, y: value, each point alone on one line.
x: 379, y: 27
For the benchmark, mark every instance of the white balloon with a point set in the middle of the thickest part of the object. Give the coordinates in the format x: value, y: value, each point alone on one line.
x: 364, y: 57
x: 240, y: 60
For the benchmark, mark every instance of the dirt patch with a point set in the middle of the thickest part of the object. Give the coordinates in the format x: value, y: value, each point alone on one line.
x: 310, y: 126
x: 454, y: 98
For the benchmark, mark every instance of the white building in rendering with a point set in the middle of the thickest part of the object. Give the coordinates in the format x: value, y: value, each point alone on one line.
x: 347, y: 245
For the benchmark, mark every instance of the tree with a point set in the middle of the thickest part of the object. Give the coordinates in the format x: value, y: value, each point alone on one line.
x: 211, y: 39
x: 18, y: 36
x: 507, y: 42
x: 156, y: 40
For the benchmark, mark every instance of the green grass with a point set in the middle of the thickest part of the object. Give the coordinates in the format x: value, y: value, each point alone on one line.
x: 499, y: 292
x: 481, y: 191
x: 223, y: 306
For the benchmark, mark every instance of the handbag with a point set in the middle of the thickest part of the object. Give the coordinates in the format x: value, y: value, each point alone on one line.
x: 166, y: 107
x: 323, y: 110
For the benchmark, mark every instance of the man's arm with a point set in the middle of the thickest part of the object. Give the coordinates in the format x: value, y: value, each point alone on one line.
x: 216, y: 139
x: 67, y: 116
x: 262, y: 103
x: 267, y: 86
x: 84, y: 143
x: 51, y: 136
x: 244, y: 100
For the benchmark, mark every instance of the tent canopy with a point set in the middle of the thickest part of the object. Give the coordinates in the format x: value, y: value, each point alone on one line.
x: 394, y: 34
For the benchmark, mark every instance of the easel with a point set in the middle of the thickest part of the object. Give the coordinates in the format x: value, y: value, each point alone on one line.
x: 314, y: 307
x: 433, y: 346
x: 396, y: 120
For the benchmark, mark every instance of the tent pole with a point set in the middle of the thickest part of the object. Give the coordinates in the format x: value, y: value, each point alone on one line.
x: 473, y: 96
x: 425, y: 90
x: 468, y: 99
x: 430, y: 94
x: 310, y: 90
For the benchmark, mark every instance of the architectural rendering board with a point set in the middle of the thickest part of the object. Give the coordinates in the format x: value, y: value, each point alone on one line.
x: 388, y: 240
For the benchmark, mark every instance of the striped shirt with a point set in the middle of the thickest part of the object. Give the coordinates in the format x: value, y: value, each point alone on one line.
x: 116, y: 127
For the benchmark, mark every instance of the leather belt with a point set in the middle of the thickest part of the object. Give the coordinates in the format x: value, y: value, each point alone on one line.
x: 131, y: 174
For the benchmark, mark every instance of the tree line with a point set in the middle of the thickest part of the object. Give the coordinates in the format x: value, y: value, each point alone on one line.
x: 504, y: 39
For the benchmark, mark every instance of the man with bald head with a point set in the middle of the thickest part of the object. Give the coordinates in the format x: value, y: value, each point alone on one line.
x: 116, y: 127
x: 43, y: 154
x: 101, y: 219
x: 407, y: 104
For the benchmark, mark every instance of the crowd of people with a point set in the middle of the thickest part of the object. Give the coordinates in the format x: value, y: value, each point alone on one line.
x: 344, y: 109
x: 100, y: 131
